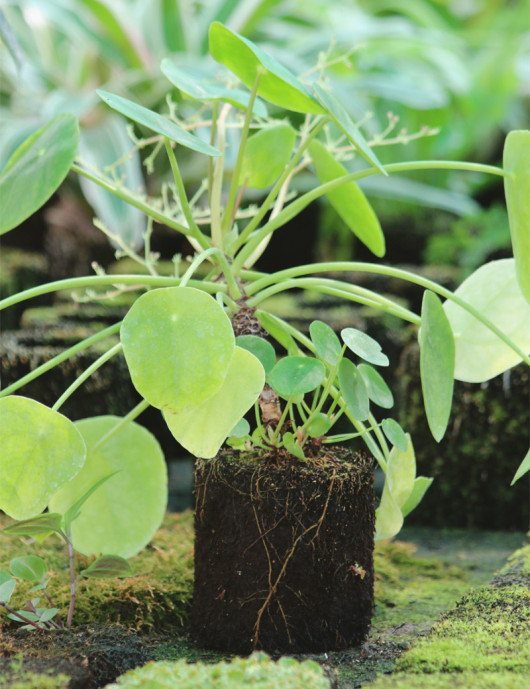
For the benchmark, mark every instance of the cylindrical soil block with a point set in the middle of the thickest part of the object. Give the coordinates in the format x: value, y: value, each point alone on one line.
x: 283, y: 552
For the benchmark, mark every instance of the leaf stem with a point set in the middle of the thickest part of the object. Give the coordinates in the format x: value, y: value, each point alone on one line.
x: 43, y: 368
x: 298, y: 205
x: 181, y: 191
x: 234, y: 183
x: 130, y: 416
x: 12, y: 611
x: 140, y: 281
x: 86, y: 374
x: 341, y: 266
x: 131, y: 199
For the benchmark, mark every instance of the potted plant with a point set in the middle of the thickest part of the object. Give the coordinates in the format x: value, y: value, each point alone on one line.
x: 284, y: 518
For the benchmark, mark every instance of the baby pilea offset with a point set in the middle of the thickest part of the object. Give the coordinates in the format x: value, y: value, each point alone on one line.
x: 193, y: 345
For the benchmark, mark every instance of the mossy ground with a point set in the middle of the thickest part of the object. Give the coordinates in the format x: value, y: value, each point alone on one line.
x: 157, y: 598
x: 414, y: 585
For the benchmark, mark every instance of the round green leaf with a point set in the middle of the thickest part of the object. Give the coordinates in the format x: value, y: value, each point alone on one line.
x: 29, y: 568
x: 123, y: 514
x: 156, y: 123
x: 378, y: 390
x: 204, y: 428
x: 327, y: 344
x: 41, y: 451
x: 240, y: 430
x: 36, y: 169
x: 493, y: 289
x: 348, y: 200
x: 516, y: 161
x: 319, y: 425
x: 364, y: 346
x: 261, y: 349
x: 195, y: 84
x: 277, y: 84
x: 341, y: 118
x: 7, y: 586
x: 437, y: 364
x: 388, y: 516
x: 420, y: 487
x: 108, y: 567
x: 353, y: 390
x: 178, y: 343
x: 401, y: 471
x: 395, y: 434
x: 266, y: 154
x: 296, y: 375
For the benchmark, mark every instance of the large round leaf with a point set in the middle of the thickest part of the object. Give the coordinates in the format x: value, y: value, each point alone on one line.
x: 277, y: 84
x: 36, y: 169
x: 348, y: 200
x: 493, y: 290
x: 296, y: 375
x: 516, y: 161
x: 178, y: 343
x: 123, y: 514
x: 203, y: 429
x: 41, y: 450
x: 156, y: 123
x: 266, y: 154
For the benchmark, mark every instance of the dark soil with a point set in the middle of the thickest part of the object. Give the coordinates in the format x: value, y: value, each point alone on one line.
x: 283, y: 554
x: 91, y: 655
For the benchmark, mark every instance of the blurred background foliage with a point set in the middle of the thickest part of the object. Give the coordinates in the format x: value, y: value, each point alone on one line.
x: 407, y: 67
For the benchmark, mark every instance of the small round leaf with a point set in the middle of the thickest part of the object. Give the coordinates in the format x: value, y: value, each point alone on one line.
x: 261, y: 349
x: 378, y: 390
x: 41, y: 450
x: 327, y: 344
x: 364, y: 346
x: 353, y: 390
x: 29, y: 568
x: 296, y: 375
x: 395, y: 434
x: 319, y: 425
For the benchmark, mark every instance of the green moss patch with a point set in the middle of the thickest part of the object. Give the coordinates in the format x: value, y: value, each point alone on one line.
x: 482, y: 643
x: 464, y: 680
x: 157, y: 598
x: 258, y: 671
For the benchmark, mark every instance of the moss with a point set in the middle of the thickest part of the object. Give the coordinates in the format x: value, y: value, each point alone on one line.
x: 157, y: 598
x: 516, y: 570
x: 32, y: 680
x: 464, y: 680
x: 258, y: 671
x: 488, y: 631
x: 411, y: 591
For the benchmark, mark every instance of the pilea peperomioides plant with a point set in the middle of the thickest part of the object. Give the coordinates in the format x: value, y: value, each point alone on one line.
x: 196, y: 348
